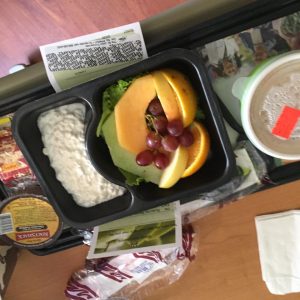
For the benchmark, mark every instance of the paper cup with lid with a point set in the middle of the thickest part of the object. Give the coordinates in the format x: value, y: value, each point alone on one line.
x: 270, y: 106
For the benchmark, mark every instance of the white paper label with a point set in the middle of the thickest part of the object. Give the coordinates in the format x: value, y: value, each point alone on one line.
x: 75, y: 61
x: 6, y: 223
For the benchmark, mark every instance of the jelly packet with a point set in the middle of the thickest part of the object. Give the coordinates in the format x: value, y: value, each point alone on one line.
x: 14, y: 169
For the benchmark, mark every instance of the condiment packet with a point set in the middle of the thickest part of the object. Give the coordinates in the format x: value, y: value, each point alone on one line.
x: 13, y: 166
x: 150, y: 230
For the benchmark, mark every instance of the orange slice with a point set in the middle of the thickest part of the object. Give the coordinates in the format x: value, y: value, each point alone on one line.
x: 185, y: 93
x: 166, y: 95
x: 197, y: 152
x: 175, y: 169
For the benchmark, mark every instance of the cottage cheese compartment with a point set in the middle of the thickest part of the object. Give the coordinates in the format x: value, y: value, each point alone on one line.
x: 63, y: 132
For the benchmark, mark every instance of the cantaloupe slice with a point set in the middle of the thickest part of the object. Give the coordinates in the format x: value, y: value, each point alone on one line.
x: 124, y: 159
x: 130, y: 114
x: 186, y: 95
x: 167, y: 96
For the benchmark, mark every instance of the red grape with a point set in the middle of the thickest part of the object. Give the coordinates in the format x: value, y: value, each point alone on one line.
x: 187, y: 138
x: 144, y: 158
x: 175, y: 127
x: 160, y: 124
x: 153, y: 140
x: 161, y: 161
x: 155, y: 107
x: 169, y: 143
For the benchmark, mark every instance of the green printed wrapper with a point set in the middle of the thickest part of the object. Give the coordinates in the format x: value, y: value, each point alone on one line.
x: 154, y: 229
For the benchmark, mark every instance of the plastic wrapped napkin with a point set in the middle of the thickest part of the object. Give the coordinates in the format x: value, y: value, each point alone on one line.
x: 279, y: 251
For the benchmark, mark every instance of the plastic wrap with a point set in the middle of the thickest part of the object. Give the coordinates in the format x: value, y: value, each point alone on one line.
x: 251, y: 171
x: 15, y: 173
x: 132, y: 276
x: 87, y: 234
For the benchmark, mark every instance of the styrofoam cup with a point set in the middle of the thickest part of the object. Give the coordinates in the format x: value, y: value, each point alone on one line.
x: 244, y: 89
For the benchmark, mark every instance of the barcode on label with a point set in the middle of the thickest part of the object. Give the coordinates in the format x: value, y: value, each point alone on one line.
x: 95, y: 56
x: 6, y: 223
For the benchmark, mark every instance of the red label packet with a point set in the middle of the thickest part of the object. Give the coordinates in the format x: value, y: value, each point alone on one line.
x: 12, y: 163
x: 286, y: 122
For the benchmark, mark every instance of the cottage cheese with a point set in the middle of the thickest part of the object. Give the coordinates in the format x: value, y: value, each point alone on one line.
x: 63, y: 132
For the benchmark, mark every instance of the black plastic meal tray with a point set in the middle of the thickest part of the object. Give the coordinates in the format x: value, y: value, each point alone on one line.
x: 249, y: 16
x: 218, y: 169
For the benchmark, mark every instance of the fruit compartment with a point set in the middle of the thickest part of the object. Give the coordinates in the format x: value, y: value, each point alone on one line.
x: 218, y: 169
x: 213, y: 173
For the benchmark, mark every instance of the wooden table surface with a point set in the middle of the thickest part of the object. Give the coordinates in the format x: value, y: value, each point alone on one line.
x: 27, y: 24
x: 227, y: 265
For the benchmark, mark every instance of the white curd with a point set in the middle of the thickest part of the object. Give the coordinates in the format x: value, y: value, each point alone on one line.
x: 63, y: 130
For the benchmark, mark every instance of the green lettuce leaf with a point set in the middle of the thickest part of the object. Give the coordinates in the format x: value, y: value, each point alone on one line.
x: 110, y: 98
x: 131, y: 179
x: 200, y: 116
